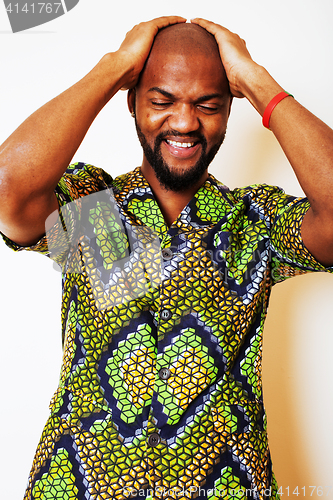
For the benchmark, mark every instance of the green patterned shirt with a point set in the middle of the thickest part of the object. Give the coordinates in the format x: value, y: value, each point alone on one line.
x: 160, y: 392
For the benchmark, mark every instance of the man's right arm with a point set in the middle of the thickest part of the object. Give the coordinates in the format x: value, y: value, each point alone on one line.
x: 35, y: 156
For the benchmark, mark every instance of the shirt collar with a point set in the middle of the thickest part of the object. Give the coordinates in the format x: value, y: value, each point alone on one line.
x: 206, y: 208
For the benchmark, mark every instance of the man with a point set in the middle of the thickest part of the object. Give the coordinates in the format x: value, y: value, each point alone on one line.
x: 160, y: 392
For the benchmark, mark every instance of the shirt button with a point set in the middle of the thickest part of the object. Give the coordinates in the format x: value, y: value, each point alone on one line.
x: 154, y: 439
x: 164, y: 373
x: 166, y: 314
x: 167, y: 253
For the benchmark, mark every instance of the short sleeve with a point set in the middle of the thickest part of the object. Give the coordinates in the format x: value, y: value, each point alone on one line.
x: 291, y: 255
x: 283, y: 216
x: 80, y: 179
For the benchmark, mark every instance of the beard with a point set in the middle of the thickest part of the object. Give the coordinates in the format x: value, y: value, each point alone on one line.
x: 175, y: 180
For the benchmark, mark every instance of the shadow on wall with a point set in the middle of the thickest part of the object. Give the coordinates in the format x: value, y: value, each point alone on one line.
x: 298, y: 340
x: 298, y: 375
x: 252, y: 155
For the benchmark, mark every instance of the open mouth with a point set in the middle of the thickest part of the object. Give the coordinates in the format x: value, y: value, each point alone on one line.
x: 182, y: 149
x: 177, y: 144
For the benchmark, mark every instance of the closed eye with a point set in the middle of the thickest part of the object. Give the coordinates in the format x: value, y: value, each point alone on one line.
x: 161, y: 104
x: 208, y: 108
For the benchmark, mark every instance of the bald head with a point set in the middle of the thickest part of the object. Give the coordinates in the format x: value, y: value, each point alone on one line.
x: 181, y: 104
x: 188, y: 41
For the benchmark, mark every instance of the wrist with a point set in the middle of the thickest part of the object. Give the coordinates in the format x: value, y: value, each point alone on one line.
x: 113, y: 73
x: 259, y: 87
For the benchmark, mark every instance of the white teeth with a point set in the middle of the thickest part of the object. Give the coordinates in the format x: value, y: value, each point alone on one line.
x: 181, y: 144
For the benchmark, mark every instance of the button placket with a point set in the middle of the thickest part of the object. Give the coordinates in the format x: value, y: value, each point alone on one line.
x: 164, y: 373
x: 165, y: 314
x: 167, y: 253
x: 153, y: 439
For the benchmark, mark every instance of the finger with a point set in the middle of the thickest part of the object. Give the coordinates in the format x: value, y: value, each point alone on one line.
x: 213, y: 28
x: 162, y: 22
x: 202, y: 22
x: 156, y: 24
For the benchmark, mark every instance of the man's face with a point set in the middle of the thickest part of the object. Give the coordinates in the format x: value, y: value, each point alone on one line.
x: 182, y: 105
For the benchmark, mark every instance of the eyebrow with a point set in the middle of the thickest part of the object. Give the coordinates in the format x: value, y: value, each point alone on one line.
x: 169, y: 95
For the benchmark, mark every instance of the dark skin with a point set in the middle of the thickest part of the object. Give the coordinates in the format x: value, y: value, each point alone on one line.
x: 189, y: 94
x: 42, y: 147
x: 306, y: 140
x: 37, y: 153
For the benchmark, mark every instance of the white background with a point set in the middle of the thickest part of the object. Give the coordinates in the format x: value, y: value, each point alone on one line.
x: 293, y: 39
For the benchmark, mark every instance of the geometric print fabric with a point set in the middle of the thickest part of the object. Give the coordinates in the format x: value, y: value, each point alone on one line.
x: 119, y: 427
x: 131, y: 369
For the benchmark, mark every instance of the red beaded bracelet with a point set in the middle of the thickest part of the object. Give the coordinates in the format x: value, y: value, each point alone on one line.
x: 271, y: 105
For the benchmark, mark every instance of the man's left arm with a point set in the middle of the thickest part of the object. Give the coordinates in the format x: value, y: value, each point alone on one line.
x: 304, y: 138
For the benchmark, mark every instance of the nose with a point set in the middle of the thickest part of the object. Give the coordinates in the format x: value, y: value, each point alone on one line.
x: 184, y: 118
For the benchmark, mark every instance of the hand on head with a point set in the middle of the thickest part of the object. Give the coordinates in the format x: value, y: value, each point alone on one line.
x: 137, y: 44
x: 235, y: 57
x: 182, y: 104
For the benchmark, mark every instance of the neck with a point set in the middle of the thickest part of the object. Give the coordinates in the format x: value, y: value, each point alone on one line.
x: 170, y: 202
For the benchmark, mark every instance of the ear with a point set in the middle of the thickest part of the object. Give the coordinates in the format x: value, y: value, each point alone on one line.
x: 131, y: 100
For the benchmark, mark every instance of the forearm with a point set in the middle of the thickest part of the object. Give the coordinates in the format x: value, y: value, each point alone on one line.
x: 308, y: 145
x: 35, y: 156
x: 41, y: 148
x: 304, y: 138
